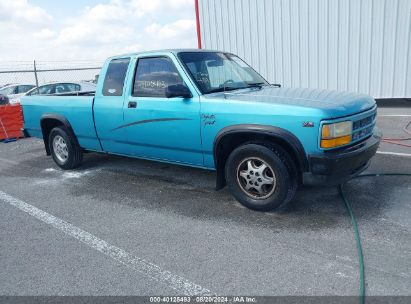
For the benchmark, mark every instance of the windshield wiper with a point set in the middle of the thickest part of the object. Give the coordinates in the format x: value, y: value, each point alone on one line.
x: 249, y: 85
x: 224, y: 89
x: 255, y: 84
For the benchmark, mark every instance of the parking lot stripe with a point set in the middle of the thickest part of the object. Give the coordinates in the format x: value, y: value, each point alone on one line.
x: 149, y: 269
x: 394, y: 153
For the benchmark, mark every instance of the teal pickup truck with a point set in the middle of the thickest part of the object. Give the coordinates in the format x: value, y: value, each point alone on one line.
x: 211, y: 110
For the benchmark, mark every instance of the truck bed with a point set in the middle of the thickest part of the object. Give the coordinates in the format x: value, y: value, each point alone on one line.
x: 76, y: 108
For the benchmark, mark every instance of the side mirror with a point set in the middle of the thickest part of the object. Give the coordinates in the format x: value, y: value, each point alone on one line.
x: 178, y: 90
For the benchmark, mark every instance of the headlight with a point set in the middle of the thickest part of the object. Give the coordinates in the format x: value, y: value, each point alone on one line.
x: 336, y: 134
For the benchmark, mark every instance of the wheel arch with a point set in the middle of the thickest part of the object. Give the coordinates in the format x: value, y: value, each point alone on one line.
x: 50, y: 121
x: 228, y: 138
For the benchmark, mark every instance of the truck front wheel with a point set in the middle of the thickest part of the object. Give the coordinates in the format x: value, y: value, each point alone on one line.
x: 259, y: 177
x: 64, y: 149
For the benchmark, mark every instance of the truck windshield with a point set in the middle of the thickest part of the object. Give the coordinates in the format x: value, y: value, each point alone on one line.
x: 218, y: 72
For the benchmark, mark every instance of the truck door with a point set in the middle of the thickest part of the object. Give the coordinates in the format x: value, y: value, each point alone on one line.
x: 158, y: 127
x: 108, y: 106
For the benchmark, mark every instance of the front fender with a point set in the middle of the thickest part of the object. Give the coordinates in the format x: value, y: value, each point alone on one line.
x: 223, y: 144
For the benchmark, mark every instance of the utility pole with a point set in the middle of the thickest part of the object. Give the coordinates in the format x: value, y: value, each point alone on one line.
x: 35, y: 74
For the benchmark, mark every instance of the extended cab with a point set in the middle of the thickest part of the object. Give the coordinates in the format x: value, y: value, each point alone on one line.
x: 211, y: 110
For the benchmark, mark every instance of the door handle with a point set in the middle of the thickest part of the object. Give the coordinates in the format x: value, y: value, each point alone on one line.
x: 132, y: 104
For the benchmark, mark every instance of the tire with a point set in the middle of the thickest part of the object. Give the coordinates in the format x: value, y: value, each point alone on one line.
x: 64, y: 149
x: 278, y: 176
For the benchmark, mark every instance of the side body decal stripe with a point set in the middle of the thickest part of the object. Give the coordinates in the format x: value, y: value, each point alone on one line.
x: 148, y: 121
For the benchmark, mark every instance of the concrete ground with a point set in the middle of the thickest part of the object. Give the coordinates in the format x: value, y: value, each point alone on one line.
x: 170, y: 232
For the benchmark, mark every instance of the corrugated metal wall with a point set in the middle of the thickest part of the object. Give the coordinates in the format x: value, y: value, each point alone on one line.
x: 352, y: 45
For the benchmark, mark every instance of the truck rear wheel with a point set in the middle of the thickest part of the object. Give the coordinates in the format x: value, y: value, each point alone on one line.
x: 65, y: 151
x: 259, y: 177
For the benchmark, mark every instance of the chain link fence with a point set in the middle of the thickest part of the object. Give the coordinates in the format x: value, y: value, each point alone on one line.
x: 41, y: 72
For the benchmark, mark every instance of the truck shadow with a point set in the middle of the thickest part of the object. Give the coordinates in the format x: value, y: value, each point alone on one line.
x: 190, y: 192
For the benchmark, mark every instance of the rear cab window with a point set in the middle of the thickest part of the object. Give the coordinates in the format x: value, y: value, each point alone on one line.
x: 115, y: 76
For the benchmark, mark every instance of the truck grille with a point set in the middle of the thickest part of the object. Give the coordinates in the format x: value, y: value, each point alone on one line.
x: 363, y: 127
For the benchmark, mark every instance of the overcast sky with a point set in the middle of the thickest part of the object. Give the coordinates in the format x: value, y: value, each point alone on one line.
x: 91, y: 29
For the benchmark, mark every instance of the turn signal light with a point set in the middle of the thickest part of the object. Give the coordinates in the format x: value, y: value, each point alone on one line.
x: 335, y: 142
x: 336, y: 134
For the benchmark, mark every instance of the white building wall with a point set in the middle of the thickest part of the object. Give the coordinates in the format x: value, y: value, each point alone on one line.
x: 352, y: 45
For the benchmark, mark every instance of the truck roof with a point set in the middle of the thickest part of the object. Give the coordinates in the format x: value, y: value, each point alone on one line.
x: 174, y: 51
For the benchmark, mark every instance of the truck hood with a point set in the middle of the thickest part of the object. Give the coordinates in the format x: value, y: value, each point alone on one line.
x: 333, y: 103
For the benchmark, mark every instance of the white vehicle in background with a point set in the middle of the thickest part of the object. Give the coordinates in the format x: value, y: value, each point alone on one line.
x: 14, y: 91
x: 56, y: 88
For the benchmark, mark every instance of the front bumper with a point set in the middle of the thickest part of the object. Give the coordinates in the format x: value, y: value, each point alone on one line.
x: 338, y: 166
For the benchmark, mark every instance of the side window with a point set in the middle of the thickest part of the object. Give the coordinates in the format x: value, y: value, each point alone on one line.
x: 24, y: 88
x: 67, y: 88
x: 115, y: 76
x: 47, y: 89
x: 153, y: 76
x: 7, y: 91
x: 72, y: 87
x: 60, y: 89
x: 42, y: 90
x: 33, y: 92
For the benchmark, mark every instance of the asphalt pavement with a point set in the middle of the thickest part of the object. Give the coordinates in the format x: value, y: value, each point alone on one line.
x: 120, y: 226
